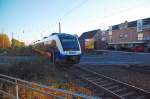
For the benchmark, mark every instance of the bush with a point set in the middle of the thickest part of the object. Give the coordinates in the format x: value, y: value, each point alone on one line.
x: 2, y: 50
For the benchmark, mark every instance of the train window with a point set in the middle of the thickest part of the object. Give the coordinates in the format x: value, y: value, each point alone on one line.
x: 69, y: 43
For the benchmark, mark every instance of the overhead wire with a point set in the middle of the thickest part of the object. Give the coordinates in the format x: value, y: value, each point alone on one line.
x: 93, y: 20
x: 114, y: 14
x: 73, y: 9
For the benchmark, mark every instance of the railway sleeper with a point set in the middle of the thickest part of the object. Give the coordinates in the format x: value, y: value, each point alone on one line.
x: 140, y: 97
x: 107, y: 84
x: 137, y: 96
x: 119, y: 90
x: 101, y: 82
x: 112, y: 87
x: 127, y: 94
x: 97, y: 79
x: 116, y: 88
x: 123, y: 91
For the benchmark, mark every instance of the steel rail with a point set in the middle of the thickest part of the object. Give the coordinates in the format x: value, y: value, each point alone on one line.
x: 106, y: 91
x: 129, y: 87
x: 110, y: 93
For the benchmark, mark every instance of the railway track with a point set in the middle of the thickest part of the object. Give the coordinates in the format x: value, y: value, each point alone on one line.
x: 106, y: 87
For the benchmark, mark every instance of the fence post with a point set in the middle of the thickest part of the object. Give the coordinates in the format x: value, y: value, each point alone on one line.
x: 17, y: 90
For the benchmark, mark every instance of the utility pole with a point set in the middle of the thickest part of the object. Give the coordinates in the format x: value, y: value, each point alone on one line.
x: 42, y: 35
x: 59, y: 27
x: 23, y: 35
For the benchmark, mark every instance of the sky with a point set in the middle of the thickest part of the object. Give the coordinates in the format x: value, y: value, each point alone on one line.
x: 30, y: 20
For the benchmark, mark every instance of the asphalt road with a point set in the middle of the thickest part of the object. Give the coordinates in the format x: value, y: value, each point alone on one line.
x: 117, y: 58
x: 111, y: 58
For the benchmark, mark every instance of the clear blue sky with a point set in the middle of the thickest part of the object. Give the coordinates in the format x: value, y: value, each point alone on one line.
x: 40, y: 17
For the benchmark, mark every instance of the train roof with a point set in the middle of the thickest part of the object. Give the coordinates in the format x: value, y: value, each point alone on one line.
x: 60, y: 34
x: 52, y: 35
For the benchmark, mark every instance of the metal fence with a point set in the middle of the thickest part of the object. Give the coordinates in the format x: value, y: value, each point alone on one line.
x: 13, y: 88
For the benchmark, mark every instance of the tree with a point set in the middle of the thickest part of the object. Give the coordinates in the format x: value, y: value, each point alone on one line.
x: 4, y: 41
x: 17, y: 43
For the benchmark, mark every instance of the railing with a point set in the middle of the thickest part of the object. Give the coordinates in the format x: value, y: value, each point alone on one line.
x: 19, y: 85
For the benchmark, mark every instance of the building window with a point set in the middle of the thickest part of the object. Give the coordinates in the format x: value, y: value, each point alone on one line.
x: 125, y: 35
x: 139, y: 25
x: 121, y: 36
x: 110, y: 38
x: 140, y: 36
x: 103, y: 38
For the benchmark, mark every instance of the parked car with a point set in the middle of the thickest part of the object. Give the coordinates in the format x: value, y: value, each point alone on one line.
x: 110, y: 48
x: 138, y: 49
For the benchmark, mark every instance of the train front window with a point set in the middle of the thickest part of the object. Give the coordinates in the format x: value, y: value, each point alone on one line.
x: 69, y: 43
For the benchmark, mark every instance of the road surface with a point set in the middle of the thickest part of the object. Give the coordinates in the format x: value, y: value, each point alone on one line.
x: 117, y: 58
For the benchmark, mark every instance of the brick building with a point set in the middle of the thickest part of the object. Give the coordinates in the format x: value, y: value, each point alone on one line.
x: 130, y: 34
x: 91, y: 40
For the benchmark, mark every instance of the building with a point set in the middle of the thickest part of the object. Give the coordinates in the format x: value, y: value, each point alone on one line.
x: 91, y: 40
x: 130, y: 34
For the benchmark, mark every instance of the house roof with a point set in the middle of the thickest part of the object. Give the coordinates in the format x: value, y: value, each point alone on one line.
x: 146, y: 21
x: 132, y: 23
x: 115, y: 27
x: 89, y: 34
